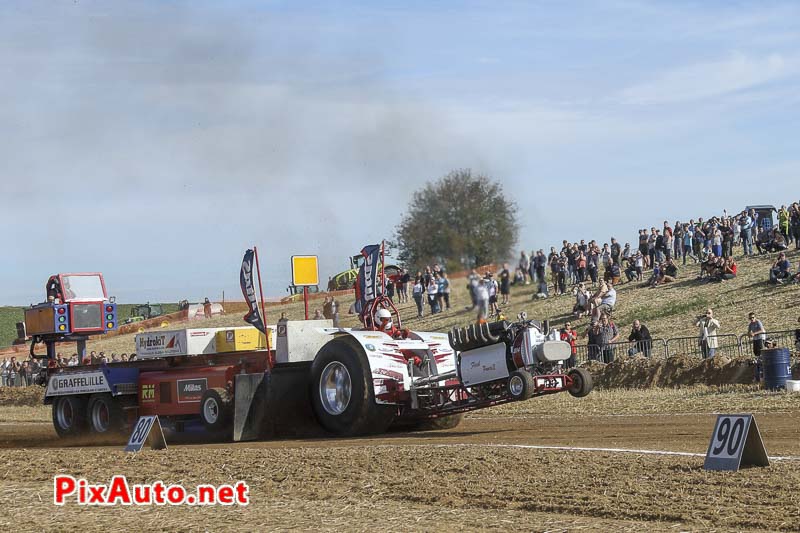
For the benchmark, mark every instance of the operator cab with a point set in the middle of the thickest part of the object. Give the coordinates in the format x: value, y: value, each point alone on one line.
x: 77, y: 304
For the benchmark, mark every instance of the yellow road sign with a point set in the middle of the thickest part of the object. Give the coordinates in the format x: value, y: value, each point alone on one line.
x: 305, y: 270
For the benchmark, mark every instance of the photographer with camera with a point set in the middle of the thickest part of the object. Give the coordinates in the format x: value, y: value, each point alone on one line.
x: 709, y: 329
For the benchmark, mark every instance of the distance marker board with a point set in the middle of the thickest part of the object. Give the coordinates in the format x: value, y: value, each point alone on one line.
x: 305, y: 270
x: 735, y: 442
x: 147, y: 429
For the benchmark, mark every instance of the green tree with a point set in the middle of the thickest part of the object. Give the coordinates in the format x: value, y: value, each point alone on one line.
x: 462, y: 218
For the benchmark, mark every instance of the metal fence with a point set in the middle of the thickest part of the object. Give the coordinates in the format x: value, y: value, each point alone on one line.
x: 729, y: 345
x: 780, y: 339
x: 615, y: 350
x: 726, y: 345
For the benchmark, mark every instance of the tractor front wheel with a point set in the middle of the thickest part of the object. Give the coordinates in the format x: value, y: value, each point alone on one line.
x: 581, y: 382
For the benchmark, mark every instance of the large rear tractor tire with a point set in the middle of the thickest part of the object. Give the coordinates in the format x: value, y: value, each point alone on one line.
x: 104, y: 415
x: 216, y: 410
x: 69, y: 416
x: 342, y: 393
x: 581, y: 382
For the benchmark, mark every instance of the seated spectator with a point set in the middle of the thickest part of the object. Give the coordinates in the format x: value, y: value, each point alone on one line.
x: 655, y: 275
x: 582, y: 297
x: 608, y: 299
x: 612, y: 272
x: 711, y: 266
x: 780, y: 270
x: 778, y: 242
x: 667, y: 273
x: 762, y: 240
x: 728, y: 271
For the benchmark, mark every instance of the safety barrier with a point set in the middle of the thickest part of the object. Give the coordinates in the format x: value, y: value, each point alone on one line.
x: 614, y: 350
x: 726, y: 345
x: 781, y: 339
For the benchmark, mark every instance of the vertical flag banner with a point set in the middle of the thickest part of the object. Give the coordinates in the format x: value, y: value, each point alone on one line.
x: 367, y: 285
x: 253, y: 316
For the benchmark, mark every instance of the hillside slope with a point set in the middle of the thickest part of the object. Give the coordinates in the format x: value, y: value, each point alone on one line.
x: 669, y: 311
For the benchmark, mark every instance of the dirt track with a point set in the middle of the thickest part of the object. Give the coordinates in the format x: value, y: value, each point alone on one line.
x: 465, y: 478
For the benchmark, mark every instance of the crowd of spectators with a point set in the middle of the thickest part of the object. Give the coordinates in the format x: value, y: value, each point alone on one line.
x: 22, y: 373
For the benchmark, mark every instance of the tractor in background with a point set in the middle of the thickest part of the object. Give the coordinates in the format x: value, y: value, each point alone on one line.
x: 144, y: 312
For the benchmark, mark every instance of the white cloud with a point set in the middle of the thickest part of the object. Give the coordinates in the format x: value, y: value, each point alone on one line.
x: 709, y: 79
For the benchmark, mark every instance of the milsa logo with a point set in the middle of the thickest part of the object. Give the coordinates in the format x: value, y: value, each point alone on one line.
x: 191, y: 390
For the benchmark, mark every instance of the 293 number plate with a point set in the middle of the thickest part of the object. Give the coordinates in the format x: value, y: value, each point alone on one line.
x: 548, y: 382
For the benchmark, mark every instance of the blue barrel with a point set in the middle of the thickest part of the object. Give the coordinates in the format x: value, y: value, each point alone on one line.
x: 777, y: 367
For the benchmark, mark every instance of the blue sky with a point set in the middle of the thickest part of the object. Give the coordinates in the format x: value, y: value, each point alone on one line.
x: 156, y: 141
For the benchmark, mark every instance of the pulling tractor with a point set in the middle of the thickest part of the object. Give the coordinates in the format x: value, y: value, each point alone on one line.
x: 344, y: 381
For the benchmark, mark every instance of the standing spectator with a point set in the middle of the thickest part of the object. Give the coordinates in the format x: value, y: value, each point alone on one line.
x: 444, y: 291
x: 709, y: 329
x: 473, y: 280
x: 794, y: 224
x: 207, y: 308
x: 417, y: 292
x: 668, y: 238
x: 677, y: 240
x: 13, y: 372
x: 327, y: 311
x: 755, y: 330
x: 643, y: 246
x: 482, y: 299
x: 505, y: 283
x: 390, y: 290
x: 609, y: 335
x: 688, y: 238
x: 641, y: 336
x: 592, y: 259
x: 4, y: 372
x: 727, y: 238
x: 402, y: 285
x: 716, y: 240
x: 651, y: 247
x: 581, y: 266
x: 568, y: 334
x: 561, y: 274
x: 746, y: 226
x: 539, y: 266
x: 594, y: 341
x: 524, y: 265
x: 433, y: 292
x: 491, y: 286
x: 616, y: 250
x: 698, y: 238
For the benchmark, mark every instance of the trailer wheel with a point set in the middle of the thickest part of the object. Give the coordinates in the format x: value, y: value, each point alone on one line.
x: 69, y: 415
x: 520, y: 385
x: 342, y: 394
x: 581, y: 382
x: 104, y: 414
x: 215, y: 410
